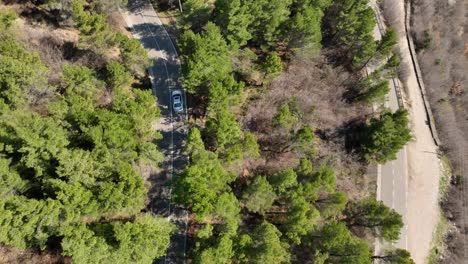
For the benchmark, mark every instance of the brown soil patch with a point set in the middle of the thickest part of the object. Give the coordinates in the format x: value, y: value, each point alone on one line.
x: 15, y: 256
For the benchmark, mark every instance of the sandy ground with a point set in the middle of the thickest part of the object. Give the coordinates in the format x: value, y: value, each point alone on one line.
x: 424, y: 168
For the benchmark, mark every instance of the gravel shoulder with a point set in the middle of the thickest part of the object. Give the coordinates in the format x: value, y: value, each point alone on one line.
x: 424, y: 169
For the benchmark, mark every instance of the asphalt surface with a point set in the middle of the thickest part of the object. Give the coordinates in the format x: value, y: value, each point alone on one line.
x: 143, y: 22
x: 392, y: 185
x: 392, y: 182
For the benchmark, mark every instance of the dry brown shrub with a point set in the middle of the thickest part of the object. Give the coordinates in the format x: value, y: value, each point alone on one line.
x: 117, y: 23
x: 444, y: 69
x: 15, y: 256
x: 53, y: 45
x: 320, y: 92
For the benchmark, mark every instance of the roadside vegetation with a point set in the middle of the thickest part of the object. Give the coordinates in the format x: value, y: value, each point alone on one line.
x: 266, y: 173
x: 72, y: 142
x: 282, y: 132
x: 442, y: 54
x: 444, y: 227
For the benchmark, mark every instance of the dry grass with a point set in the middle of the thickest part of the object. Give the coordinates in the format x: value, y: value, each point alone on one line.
x: 444, y: 226
x: 444, y: 65
x: 117, y: 23
x: 15, y: 256
x: 320, y: 92
x: 53, y: 45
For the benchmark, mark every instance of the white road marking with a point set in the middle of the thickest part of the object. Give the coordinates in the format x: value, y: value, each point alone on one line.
x: 152, y: 79
x: 171, y: 116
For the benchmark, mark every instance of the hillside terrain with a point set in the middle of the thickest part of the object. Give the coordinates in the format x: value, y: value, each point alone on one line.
x: 285, y: 128
x: 76, y: 130
x: 440, y: 30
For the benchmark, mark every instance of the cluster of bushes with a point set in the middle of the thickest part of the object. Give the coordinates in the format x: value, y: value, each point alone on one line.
x: 68, y: 178
x: 271, y: 216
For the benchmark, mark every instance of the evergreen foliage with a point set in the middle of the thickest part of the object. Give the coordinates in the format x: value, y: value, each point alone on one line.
x: 259, y: 195
x: 68, y: 173
x: 234, y: 18
x: 21, y: 74
x: 375, y: 215
x: 350, y: 26
x: 385, y: 135
x: 206, y: 59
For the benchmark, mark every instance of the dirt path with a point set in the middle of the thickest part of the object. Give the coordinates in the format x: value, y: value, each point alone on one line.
x: 423, y: 163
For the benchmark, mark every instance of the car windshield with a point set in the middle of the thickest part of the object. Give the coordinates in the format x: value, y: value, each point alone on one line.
x: 177, y: 105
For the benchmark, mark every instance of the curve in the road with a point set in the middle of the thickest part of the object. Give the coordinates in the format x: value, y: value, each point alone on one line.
x: 142, y: 14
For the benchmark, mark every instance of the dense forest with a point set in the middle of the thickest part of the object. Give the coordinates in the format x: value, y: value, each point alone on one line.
x: 68, y: 177
x: 249, y: 213
x: 73, y: 137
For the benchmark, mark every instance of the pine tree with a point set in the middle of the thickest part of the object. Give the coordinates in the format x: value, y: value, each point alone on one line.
x: 270, y: 16
x: 259, y: 195
x: 375, y: 215
x: 233, y: 17
x: 385, y: 135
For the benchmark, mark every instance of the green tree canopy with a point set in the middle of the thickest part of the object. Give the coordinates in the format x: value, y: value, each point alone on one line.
x: 80, y: 80
x: 196, y: 14
x: 284, y: 117
x: 225, y: 129
x: 350, y: 25
x: 264, y: 246
x: 259, y: 195
x: 21, y: 74
x: 222, y: 252
x: 375, y: 215
x: 304, y: 26
x: 201, y: 183
x: 397, y: 256
x: 385, y: 135
x: 69, y: 168
x: 342, y: 246
x: 206, y: 58
x: 372, y: 90
x: 393, y: 62
x: 233, y: 17
x: 81, y: 243
x: 7, y: 18
x: 332, y: 205
x: 284, y: 180
x: 95, y: 32
x: 228, y: 208
x: 387, y: 43
x: 270, y: 16
x: 142, y: 240
x: 302, y: 217
x: 250, y: 146
x: 134, y: 56
x: 273, y: 65
x: 117, y: 76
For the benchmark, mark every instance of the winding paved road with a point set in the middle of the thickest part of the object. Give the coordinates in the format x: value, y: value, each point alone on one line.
x: 392, y: 182
x: 165, y: 73
x: 145, y: 26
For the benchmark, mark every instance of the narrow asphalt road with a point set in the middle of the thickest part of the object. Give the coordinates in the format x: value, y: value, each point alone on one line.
x: 145, y: 26
x: 392, y: 182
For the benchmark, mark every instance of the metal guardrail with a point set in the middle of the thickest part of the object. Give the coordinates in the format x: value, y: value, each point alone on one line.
x: 417, y: 71
x: 395, y: 81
